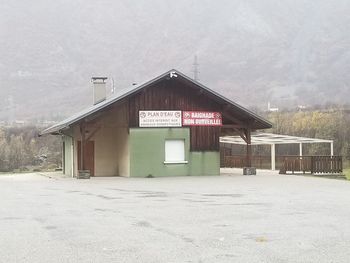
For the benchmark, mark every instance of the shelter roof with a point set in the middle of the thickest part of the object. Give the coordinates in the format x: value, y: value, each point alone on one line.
x: 270, y: 138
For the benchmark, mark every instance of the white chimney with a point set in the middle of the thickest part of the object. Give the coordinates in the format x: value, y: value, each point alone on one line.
x: 99, y: 89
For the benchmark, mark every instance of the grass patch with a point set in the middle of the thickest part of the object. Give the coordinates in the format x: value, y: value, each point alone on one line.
x: 346, y: 172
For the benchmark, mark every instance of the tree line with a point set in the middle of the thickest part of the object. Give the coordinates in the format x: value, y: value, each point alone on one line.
x: 21, y: 149
x: 331, y: 124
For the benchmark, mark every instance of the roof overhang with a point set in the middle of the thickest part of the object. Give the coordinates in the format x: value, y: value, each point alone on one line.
x: 256, y: 122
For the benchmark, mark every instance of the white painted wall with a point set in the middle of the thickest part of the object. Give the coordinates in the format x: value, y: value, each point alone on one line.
x: 111, y: 143
x: 111, y: 152
x: 68, y: 155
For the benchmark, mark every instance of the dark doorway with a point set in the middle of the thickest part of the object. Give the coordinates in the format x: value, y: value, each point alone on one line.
x: 89, y: 157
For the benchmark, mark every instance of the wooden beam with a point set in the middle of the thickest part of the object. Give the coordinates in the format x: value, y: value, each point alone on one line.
x: 236, y: 128
x: 242, y: 134
x: 93, y: 133
x: 231, y: 126
x: 82, y: 145
x: 247, y: 133
x: 233, y: 119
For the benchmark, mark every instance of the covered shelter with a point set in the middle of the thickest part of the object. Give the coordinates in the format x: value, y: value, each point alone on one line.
x: 167, y: 126
x: 276, y: 139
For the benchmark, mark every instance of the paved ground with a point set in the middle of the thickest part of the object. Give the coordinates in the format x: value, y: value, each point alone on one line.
x: 264, y: 218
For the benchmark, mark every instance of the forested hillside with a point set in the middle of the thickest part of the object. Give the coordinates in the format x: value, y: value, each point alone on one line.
x: 333, y: 124
x: 286, y: 52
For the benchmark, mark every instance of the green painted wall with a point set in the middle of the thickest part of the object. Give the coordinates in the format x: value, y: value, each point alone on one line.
x: 68, y: 157
x: 147, y: 153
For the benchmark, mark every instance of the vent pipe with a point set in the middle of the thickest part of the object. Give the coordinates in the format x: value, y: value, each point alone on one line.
x: 99, y: 89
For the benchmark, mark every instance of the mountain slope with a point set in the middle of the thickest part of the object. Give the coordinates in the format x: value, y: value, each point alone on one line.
x: 251, y: 51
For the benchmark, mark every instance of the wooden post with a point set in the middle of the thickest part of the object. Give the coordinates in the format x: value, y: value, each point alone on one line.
x: 63, y: 155
x: 249, y: 148
x: 332, y: 155
x: 273, y: 157
x: 82, y: 146
x: 301, y: 157
x: 332, y: 149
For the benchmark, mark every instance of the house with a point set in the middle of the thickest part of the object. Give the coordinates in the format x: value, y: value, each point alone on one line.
x: 168, y: 126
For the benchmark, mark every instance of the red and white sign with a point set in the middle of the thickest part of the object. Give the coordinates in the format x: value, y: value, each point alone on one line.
x: 201, y: 118
x: 159, y: 118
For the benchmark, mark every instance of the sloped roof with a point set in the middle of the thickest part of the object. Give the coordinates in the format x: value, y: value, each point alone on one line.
x: 263, y: 124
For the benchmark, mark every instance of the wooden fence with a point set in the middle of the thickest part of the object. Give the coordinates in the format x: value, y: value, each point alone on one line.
x: 312, y: 164
x: 239, y: 161
x: 258, y: 161
x: 293, y: 164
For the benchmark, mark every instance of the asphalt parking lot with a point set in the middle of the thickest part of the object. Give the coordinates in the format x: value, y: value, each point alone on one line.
x: 228, y: 218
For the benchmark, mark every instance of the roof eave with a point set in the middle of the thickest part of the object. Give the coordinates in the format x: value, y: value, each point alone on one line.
x: 67, y: 123
x: 263, y: 121
x: 104, y: 104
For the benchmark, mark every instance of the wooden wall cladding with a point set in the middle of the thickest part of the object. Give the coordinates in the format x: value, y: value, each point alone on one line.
x: 174, y: 95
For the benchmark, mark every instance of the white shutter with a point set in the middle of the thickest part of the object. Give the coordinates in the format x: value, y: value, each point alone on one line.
x: 174, y: 151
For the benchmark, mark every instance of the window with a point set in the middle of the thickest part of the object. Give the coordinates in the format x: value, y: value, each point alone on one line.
x: 175, y: 151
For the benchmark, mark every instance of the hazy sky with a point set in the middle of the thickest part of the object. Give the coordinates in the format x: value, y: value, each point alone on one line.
x: 251, y: 51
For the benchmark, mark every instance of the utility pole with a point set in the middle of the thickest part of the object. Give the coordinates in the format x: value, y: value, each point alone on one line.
x: 195, y: 69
